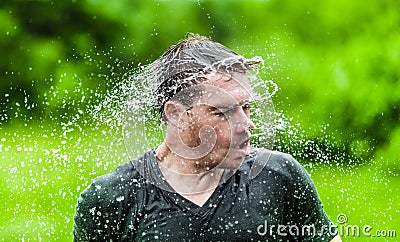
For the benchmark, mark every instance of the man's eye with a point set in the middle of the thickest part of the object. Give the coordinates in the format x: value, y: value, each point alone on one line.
x: 218, y: 113
x: 222, y: 113
x: 246, y: 107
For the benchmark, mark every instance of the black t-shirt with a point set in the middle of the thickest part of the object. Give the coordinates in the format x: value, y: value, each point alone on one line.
x: 280, y: 203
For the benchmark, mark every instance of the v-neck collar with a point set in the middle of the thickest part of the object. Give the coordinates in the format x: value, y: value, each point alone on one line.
x: 202, y: 211
x: 180, y: 201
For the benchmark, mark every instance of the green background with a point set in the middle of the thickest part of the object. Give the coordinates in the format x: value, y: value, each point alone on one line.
x: 336, y: 62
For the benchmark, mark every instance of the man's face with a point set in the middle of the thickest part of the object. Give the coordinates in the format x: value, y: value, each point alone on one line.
x: 223, y: 106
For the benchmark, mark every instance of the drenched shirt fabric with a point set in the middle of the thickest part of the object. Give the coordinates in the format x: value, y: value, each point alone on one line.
x: 279, y: 204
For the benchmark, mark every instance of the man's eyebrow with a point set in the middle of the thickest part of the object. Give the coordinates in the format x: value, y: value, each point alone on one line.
x: 241, y: 103
x: 245, y: 101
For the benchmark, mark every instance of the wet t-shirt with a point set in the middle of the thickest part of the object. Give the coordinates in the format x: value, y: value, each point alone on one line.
x: 279, y: 204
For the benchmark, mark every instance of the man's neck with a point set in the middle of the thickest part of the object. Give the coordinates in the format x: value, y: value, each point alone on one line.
x: 185, y: 177
x: 182, y: 165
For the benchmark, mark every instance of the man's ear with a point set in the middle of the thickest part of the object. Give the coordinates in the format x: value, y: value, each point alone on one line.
x: 173, y: 111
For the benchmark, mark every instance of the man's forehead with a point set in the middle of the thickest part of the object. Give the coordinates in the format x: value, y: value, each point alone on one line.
x: 226, y: 92
x: 236, y: 83
x: 223, y: 97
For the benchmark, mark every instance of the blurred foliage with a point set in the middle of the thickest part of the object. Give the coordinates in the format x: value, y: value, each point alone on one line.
x: 336, y: 63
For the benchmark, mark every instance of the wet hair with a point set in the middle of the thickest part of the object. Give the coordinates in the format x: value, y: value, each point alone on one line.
x: 188, y: 62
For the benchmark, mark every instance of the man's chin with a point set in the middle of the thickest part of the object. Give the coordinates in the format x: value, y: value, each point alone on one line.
x: 232, y: 162
x: 228, y: 159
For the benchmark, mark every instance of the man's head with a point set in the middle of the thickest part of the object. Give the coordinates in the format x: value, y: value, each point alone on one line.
x: 204, y: 96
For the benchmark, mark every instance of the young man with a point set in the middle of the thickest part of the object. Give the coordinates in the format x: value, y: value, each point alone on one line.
x: 205, y: 181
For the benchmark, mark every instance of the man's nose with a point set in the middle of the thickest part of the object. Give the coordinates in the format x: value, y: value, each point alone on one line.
x: 242, y: 121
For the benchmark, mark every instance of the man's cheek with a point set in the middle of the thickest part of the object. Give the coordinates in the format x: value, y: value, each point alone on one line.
x: 224, y: 139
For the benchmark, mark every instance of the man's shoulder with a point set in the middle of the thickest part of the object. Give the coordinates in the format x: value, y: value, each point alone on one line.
x: 125, y: 179
x: 111, y: 186
x: 123, y: 174
x: 264, y: 162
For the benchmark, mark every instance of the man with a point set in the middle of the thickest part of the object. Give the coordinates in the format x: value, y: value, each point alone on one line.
x: 204, y: 182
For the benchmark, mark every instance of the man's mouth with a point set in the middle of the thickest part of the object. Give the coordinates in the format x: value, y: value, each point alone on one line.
x: 245, y: 146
